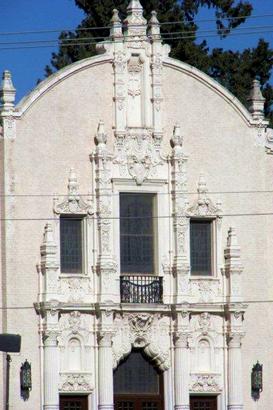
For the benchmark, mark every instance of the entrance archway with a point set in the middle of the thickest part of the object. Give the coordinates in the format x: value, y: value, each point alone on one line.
x: 138, y: 385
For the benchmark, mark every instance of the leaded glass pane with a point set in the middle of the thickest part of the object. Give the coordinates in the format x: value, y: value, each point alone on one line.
x: 201, y: 247
x: 71, y: 244
x: 136, y: 233
x: 136, y: 376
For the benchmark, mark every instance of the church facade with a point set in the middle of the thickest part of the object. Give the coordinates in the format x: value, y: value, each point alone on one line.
x: 136, y: 232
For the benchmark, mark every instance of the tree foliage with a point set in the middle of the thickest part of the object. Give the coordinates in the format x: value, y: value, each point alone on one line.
x: 234, y: 70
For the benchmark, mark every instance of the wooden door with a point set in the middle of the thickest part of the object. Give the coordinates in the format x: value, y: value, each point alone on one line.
x: 73, y: 402
x: 203, y: 403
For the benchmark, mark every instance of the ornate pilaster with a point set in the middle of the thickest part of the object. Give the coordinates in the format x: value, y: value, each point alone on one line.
x: 106, y: 266
x: 233, y: 267
x: 181, y: 362
x: 156, y: 68
x: 119, y: 65
x: 180, y: 221
x: 49, y: 266
x: 7, y: 96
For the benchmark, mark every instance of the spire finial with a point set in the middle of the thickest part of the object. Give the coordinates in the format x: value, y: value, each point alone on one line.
x: 256, y: 101
x: 177, y: 139
x: 48, y: 234
x: 154, y: 30
x: 135, y: 23
x: 116, y: 27
x: 7, y: 92
x: 101, y: 136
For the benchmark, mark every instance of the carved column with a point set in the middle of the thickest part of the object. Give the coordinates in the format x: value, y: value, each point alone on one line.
x: 51, y: 371
x: 235, y: 381
x: 180, y: 221
x: 181, y: 371
x: 106, y: 390
x: 181, y: 360
x: 106, y: 266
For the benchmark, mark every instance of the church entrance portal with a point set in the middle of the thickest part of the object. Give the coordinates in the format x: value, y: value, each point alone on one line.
x: 138, y: 385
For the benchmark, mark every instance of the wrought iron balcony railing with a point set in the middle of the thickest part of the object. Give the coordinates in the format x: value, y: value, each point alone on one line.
x: 141, y: 289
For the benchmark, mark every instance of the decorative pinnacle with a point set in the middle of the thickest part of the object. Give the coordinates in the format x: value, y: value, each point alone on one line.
x: 116, y: 27
x: 48, y: 234
x: 101, y: 135
x: 7, y: 91
x: 72, y: 185
x: 256, y: 101
x: 135, y: 23
x: 154, y: 30
x: 177, y: 138
x: 134, y: 5
x: 232, y: 240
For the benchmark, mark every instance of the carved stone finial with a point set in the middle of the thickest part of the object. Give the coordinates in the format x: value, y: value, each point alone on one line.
x: 233, y: 266
x: 256, y: 101
x: 48, y: 234
x: 116, y: 27
x: 135, y: 23
x: 154, y: 30
x: 232, y: 239
x: 101, y: 136
x: 177, y: 139
x: 73, y: 185
x: 7, y: 92
x: 232, y: 250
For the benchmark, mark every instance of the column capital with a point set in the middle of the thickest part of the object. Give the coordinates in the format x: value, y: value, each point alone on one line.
x: 181, y: 339
x: 50, y: 337
x: 105, y: 338
x: 235, y: 339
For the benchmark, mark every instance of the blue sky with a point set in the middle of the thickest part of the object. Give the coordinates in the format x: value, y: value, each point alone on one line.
x: 27, y: 65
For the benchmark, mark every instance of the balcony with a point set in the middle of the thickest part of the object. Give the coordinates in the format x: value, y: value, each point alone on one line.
x: 141, y: 289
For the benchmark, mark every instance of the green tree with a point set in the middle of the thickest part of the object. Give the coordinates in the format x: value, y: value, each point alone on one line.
x: 234, y: 70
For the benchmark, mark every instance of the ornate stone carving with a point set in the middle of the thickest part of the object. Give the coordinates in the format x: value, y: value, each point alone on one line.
x: 134, y: 80
x: 73, y: 203
x: 139, y: 153
x: 74, y: 323
x: 205, y: 322
x: 204, y: 383
x: 75, y: 289
x: 205, y: 291
x: 142, y: 331
x: 140, y: 325
x: 75, y: 382
x: 203, y: 206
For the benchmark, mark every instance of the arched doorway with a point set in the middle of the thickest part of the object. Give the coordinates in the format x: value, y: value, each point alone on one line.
x: 137, y: 384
